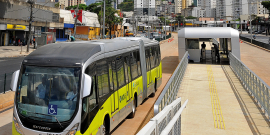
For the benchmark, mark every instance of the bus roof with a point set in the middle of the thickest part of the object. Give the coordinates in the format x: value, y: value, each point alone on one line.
x: 77, y: 53
x: 63, y: 54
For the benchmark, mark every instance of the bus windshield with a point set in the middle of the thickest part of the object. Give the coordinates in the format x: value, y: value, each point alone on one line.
x: 48, y: 93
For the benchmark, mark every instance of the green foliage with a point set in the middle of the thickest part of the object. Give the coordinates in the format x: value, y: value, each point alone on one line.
x: 126, y: 5
x: 162, y: 19
x: 95, y: 7
x: 191, y: 17
x: 81, y: 7
x: 266, y: 4
x: 56, y: 5
x: 179, y: 18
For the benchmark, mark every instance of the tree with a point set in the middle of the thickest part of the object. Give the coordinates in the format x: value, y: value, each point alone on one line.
x: 56, y: 5
x: 191, y: 17
x: 126, y: 5
x: 266, y: 4
x: 81, y: 7
x: 162, y: 19
x: 95, y: 7
x: 110, y: 18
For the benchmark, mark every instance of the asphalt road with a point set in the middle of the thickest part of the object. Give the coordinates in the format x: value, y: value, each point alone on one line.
x: 8, y: 66
x: 259, y: 37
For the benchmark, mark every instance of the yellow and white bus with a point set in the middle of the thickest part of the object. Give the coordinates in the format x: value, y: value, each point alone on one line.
x: 84, y: 87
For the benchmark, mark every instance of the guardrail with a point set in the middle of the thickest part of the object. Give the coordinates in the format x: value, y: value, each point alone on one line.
x: 258, y: 43
x: 174, y: 126
x: 164, y: 119
x: 170, y: 90
x: 255, y: 85
x: 5, y: 82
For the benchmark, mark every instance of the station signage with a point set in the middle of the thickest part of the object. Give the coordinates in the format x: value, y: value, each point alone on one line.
x: 15, y: 27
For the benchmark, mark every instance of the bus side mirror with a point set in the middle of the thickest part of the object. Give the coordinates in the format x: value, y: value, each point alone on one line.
x: 87, y: 86
x: 14, y: 80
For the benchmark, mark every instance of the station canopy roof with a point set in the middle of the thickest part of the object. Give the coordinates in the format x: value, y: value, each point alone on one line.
x: 208, y: 32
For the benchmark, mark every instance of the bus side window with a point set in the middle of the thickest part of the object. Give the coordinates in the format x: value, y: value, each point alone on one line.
x: 120, y: 71
x: 115, y: 87
x: 151, y: 57
x: 147, y: 57
x: 153, y: 51
x: 127, y: 69
x: 138, y: 62
x: 102, y: 78
x: 110, y: 75
x: 133, y: 64
x: 158, y: 54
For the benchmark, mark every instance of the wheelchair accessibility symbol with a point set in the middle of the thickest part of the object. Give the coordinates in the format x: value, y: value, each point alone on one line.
x: 52, y: 109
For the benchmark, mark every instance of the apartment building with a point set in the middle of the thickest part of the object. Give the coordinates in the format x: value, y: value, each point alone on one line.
x: 178, y: 6
x: 224, y: 9
x: 141, y: 7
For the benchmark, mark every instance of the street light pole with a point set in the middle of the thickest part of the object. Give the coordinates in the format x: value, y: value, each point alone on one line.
x: 30, y: 23
x: 103, y: 20
x: 148, y: 18
x: 165, y: 22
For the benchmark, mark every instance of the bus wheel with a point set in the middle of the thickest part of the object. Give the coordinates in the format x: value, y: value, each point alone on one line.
x: 132, y: 114
x: 104, y: 129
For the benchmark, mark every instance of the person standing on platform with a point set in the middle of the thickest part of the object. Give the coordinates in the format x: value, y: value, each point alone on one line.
x: 217, y: 52
x: 203, y: 45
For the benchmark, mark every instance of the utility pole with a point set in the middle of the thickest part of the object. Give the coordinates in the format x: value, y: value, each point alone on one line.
x: 165, y: 22
x: 76, y: 12
x: 148, y: 18
x: 241, y: 24
x: 30, y: 22
x: 250, y: 29
x: 104, y: 19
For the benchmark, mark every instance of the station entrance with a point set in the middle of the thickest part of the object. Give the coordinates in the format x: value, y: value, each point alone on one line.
x: 210, y: 45
x: 209, y: 50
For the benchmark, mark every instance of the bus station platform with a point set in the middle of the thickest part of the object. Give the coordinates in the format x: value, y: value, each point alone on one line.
x: 218, y: 103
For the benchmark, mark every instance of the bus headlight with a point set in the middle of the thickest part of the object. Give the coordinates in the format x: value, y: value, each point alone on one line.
x: 73, y: 130
x: 17, y: 125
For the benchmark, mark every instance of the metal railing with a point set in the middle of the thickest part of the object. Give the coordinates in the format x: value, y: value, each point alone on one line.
x: 174, y: 126
x: 170, y: 90
x: 258, y: 43
x: 253, y: 83
x: 5, y: 82
x: 162, y: 120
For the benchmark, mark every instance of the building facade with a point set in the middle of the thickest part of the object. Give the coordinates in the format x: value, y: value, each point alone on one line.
x: 141, y: 7
x: 224, y: 10
x: 178, y: 6
x: 74, y: 2
x: 14, y: 21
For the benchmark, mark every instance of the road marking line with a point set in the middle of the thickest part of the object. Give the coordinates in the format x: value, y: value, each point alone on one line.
x: 216, y: 108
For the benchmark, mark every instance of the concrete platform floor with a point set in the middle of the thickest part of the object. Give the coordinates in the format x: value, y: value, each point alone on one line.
x: 241, y: 114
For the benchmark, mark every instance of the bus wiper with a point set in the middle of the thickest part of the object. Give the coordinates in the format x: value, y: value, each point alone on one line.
x: 51, y: 116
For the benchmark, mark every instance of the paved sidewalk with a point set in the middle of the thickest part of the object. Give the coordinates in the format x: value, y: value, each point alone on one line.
x: 7, y: 99
x: 15, y: 51
x: 241, y: 114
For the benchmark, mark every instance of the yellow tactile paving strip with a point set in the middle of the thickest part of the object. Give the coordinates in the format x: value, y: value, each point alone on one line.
x: 197, y: 117
x: 216, y: 108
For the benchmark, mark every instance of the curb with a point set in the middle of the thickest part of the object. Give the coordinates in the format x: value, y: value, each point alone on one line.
x: 6, y: 104
x: 256, y: 46
x: 9, y: 101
